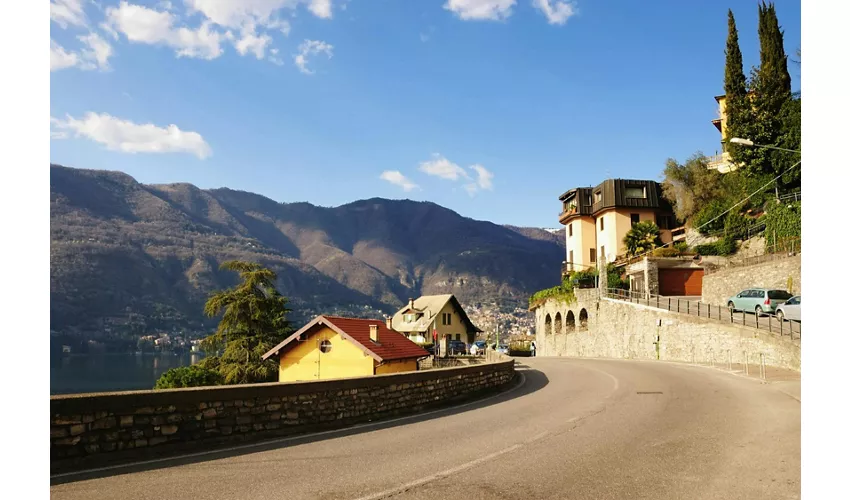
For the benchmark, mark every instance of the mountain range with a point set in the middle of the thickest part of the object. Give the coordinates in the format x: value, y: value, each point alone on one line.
x: 128, y: 258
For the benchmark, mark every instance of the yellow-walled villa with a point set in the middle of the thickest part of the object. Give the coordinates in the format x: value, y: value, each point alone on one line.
x: 598, y: 218
x: 332, y: 347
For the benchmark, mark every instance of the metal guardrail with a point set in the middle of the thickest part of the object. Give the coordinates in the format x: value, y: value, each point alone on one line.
x: 789, y: 197
x: 768, y: 322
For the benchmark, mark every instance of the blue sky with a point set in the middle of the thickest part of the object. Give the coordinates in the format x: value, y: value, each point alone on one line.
x: 489, y: 107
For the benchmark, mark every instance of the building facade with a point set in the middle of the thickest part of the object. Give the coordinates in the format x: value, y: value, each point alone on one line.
x: 721, y: 161
x: 331, y: 347
x: 598, y: 218
x: 443, y: 314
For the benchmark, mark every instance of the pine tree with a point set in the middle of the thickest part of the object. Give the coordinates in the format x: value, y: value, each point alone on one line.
x: 739, y: 113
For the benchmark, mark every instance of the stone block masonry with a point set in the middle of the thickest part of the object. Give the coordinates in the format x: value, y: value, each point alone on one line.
x: 617, y: 329
x: 718, y: 286
x: 90, y: 430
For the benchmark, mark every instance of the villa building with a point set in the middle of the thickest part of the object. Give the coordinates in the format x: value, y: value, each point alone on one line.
x: 434, y: 317
x: 598, y: 218
x: 721, y: 161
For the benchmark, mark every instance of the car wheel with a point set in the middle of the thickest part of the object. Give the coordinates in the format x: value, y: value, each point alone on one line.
x: 731, y: 306
x: 759, y: 311
x: 780, y: 316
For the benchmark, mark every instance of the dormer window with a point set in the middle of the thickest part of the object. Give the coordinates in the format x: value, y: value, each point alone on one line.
x: 635, y: 192
x: 409, y: 318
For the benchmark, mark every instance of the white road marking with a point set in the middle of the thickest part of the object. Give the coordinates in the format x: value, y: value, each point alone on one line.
x: 448, y: 472
x: 289, y: 438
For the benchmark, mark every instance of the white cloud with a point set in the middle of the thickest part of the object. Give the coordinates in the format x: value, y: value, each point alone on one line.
x: 556, y: 11
x: 397, y: 178
x: 143, y: 25
x: 250, y: 42
x: 236, y: 13
x: 321, y: 8
x: 67, y: 12
x: 60, y: 58
x: 484, y: 180
x: 123, y: 135
x: 98, y: 52
x: 492, y: 10
x: 309, y: 48
x: 95, y: 55
x: 443, y: 168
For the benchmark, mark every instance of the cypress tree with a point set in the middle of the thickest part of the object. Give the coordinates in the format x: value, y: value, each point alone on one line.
x: 738, y: 108
x: 770, y: 85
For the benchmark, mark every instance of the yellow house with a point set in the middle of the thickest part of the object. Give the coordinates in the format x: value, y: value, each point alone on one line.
x: 598, y: 218
x: 721, y: 161
x: 443, y: 314
x: 333, y: 347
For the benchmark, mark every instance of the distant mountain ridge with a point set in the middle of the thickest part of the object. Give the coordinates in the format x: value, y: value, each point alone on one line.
x: 128, y: 258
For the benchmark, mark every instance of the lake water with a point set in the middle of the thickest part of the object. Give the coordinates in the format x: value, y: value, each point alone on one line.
x: 78, y: 373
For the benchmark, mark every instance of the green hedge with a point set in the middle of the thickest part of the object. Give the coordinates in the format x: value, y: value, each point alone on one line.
x: 188, y: 376
x: 725, y: 246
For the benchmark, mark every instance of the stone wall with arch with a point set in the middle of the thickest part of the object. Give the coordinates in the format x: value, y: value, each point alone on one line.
x: 606, y: 328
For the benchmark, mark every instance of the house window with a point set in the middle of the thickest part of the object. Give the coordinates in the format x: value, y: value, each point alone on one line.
x: 592, y: 255
x: 326, y: 346
x: 598, y: 196
x: 665, y: 222
x: 570, y: 228
x: 571, y: 258
x: 602, y: 223
x: 408, y: 318
x: 635, y: 219
x: 635, y: 192
x: 457, y: 337
x: 587, y: 200
x: 602, y: 250
x: 447, y: 318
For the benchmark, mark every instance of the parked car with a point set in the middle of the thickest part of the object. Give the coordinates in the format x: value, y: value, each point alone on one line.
x: 758, y: 300
x: 790, y: 309
x: 502, y: 348
x: 478, y: 347
x: 457, y: 347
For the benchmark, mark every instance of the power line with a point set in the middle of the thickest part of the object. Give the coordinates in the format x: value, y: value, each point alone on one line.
x: 733, y: 206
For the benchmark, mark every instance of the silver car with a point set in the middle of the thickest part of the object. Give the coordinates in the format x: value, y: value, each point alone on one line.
x: 790, y: 309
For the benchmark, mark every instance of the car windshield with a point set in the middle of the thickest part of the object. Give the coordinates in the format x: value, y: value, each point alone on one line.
x: 779, y: 295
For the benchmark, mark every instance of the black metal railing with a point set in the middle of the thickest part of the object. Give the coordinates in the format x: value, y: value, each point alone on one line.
x: 763, y: 322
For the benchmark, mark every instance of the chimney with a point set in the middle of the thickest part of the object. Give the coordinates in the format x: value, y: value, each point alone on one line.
x: 389, y: 322
x: 373, y: 333
x: 410, y: 303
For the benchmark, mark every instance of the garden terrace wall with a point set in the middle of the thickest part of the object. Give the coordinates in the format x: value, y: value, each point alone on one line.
x: 94, y: 429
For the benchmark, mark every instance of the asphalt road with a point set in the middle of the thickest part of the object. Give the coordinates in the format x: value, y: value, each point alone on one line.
x: 575, y: 428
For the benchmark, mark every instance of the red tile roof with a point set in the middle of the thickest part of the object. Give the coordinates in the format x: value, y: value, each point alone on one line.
x: 391, y: 344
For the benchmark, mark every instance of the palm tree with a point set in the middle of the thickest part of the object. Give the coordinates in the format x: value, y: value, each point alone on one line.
x: 641, y: 238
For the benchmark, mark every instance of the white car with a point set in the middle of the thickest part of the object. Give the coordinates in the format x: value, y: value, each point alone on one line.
x: 790, y: 309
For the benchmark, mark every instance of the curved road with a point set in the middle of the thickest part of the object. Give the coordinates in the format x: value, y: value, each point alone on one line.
x: 575, y: 428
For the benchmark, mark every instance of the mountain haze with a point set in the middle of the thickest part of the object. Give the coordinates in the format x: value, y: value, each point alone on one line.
x: 128, y: 258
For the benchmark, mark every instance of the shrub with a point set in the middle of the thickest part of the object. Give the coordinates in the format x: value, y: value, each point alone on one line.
x: 666, y: 252
x: 188, y: 376
x: 725, y: 246
x: 782, y: 222
x: 711, y: 211
x: 681, y: 246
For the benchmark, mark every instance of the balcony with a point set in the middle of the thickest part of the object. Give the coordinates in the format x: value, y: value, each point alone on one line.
x: 722, y: 163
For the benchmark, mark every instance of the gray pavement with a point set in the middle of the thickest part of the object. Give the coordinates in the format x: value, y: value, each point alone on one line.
x: 576, y: 428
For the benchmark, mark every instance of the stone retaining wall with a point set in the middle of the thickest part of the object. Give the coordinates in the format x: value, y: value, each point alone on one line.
x: 718, y: 286
x: 92, y: 429
x: 618, y: 329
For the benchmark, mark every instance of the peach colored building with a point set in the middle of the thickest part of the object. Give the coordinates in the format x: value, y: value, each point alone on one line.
x: 598, y: 218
